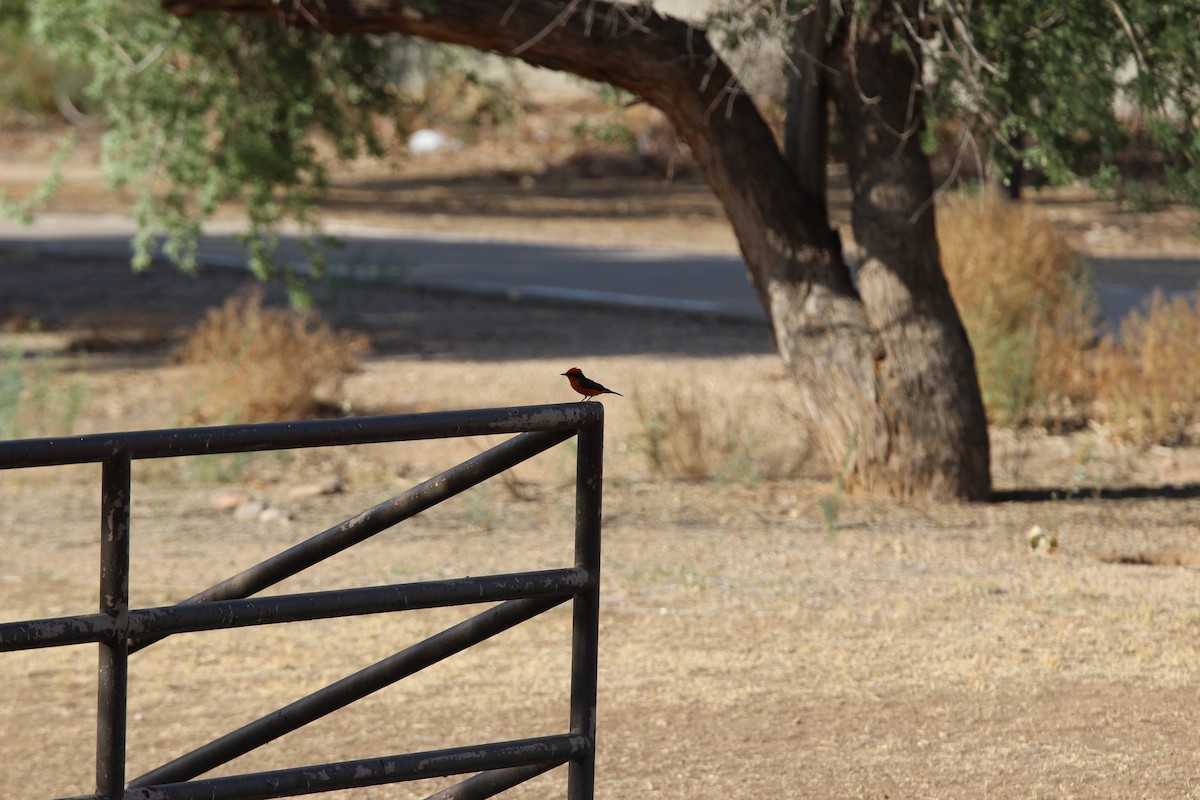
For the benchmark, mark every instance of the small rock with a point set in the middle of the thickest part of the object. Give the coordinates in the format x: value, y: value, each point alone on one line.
x: 229, y: 499
x: 428, y: 140
x: 249, y: 510
x: 316, y: 489
x: 274, y: 515
x: 1041, y: 541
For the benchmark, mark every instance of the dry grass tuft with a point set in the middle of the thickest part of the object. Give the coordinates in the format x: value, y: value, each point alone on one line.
x: 1147, y: 381
x: 677, y: 437
x: 1027, y: 301
x: 692, y: 431
x: 251, y: 363
x: 1028, y: 304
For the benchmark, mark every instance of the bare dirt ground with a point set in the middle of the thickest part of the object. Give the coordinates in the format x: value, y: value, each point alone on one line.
x: 763, y: 636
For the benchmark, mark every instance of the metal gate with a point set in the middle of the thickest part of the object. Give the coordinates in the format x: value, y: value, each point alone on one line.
x: 121, y: 631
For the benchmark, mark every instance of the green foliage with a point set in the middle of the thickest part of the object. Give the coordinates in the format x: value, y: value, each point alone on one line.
x: 613, y: 132
x: 38, y: 397
x: 1057, y: 88
x: 12, y: 384
x: 33, y: 84
x: 1046, y: 72
x: 216, y: 109
x: 22, y: 210
x: 1053, y: 87
x: 458, y: 92
x: 220, y: 108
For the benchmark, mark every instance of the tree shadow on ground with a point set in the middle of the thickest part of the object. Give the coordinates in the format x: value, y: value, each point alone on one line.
x: 1187, y: 491
x: 103, y: 303
x: 526, y: 196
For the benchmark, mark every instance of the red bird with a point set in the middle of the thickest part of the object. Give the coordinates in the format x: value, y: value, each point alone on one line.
x: 585, y: 385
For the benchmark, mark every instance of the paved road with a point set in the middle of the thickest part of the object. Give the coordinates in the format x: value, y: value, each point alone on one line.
x: 618, y: 276
x: 1125, y: 283
x: 693, y: 283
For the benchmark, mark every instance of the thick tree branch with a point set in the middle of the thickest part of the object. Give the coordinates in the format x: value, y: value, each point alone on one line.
x: 868, y: 400
x: 599, y: 41
x: 666, y: 61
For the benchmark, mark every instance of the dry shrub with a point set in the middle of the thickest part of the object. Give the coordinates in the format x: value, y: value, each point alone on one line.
x: 1027, y: 301
x: 260, y: 364
x: 691, y: 430
x: 676, y: 437
x: 1147, y: 382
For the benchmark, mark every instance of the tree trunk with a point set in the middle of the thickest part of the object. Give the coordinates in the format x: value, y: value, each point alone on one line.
x: 932, y: 423
x: 868, y: 404
x: 806, y: 134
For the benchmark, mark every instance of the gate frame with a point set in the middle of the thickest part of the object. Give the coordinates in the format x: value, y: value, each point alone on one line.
x: 120, y: 631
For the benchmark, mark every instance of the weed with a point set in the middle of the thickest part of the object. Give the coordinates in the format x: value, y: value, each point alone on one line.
x: 255, y: 363
x: 54, y: 405
x: 458, y: 91
x: 829, y: 511
x: 613, y: 132
x: 35, y: 397
x: 12, y: 383
x: 685, y: 576
x: 1082, y: 476
x: 675, y: 440
x: 1147, y: 383
x: 740, y: 466
x: 692, y: 577
x: 479, y: 513
x: 831, y: 504
x: 683, y: 436
x: 217, y: 468
x: 973, y: 585
x: 1030, y: 311
x: 1029, y: 307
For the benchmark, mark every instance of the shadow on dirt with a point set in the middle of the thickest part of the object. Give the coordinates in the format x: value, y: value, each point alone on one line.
x: 100, y: 304
x: 1187, y: 491
x: 525, y: 196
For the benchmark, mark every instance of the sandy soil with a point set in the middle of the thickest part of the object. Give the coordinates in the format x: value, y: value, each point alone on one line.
x: 763, y: 636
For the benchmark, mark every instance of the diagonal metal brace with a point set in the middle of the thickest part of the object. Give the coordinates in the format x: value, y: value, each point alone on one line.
x: 354, y: 687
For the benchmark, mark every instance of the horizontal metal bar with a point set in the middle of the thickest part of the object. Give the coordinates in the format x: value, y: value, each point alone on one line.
x: 344, y: 692
x: 370, y: 771
x: 349, y: 602
x: 477, y: 787
x: 493, y: 782
x: 89, y: 628
x: 346, y: 534
x: 21, y: 453
x: 56, y: 631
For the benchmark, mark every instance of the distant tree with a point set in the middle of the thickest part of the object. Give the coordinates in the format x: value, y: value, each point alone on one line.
x: 1061, y: 88
x: 222, y: 106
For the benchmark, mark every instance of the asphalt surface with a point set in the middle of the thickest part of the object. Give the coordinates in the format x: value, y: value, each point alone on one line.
x: 671, y: 282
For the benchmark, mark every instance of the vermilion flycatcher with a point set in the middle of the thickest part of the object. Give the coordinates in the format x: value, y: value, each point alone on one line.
x: 585, y: 385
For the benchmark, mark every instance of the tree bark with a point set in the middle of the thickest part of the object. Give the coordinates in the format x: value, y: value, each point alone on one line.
x: 866, y: 403
x: 806, y: 134
x: 931, y: 413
